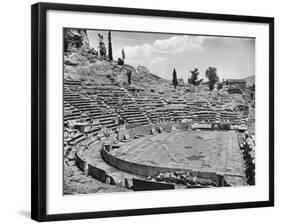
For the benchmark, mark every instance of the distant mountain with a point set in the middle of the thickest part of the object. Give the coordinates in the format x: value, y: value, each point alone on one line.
x: 250, y: 80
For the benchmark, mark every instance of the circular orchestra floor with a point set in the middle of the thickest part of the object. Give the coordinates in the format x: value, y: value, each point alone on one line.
x: 216, y: 151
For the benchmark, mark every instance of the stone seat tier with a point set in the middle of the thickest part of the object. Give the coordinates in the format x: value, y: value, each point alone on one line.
x: 70, y: 108
x: 70, y: 93
x: 72, y: 118
x: 71, y: 96
x: 82, y: 102
x: 88, y: 105
x: 94, y: 115
x: 75, y: 142
x: 89, y: 108
x: 76, y: 136
x: 93, y: 130
x: 132, y: 114
x: 137, y: 119
x: 107, y: 116
x: 144, y: 122
x: 135, y: 116
x: 112, y: 126
x: 105, y: 122
x: 71, y: 114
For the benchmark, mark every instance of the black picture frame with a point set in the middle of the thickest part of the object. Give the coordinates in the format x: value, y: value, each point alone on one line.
x: 39, y: 122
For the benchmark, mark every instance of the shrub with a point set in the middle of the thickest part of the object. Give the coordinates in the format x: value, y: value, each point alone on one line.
x: 120, y: 61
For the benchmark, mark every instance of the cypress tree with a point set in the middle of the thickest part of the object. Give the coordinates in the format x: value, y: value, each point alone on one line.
x: 123, y: 54
x: 175, y: 79
x: 109, y: 47
x: 129, y: 75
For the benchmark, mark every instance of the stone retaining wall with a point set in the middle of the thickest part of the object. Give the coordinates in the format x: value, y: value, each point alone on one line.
x: 136, y: 168
x: 146, y: 129
x: 101, y: 175
x: 93, y: 171
x: 144, y: 185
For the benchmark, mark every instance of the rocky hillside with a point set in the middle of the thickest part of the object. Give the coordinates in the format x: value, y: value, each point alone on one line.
x: 75, y: 39
x: 250, y: 80
x: 81, y: 62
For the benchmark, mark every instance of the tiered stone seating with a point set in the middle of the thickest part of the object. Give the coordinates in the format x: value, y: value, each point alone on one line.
x: 160, y: 114
x: 108, y: 121
x: 177, y: 114
x: 133, y: 115
x: 72, y: 82
x: 92, y: 108
x: 73, y: 138
x: 231, y: 117
x: 149, y: 101
x: 175, y: 101
x: 120, y: 101
x: 205, y: 116
x: 94, y: 130
x: 103, y: 104
x: 111, y: 95
x: 71, y: 113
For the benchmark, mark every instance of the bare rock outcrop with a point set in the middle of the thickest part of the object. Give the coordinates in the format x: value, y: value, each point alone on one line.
x: 75, y: 40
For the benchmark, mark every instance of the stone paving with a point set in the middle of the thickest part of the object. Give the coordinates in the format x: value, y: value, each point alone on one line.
x: 197, y: 150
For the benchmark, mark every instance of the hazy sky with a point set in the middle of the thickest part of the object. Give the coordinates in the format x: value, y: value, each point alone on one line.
x: 160, y: 53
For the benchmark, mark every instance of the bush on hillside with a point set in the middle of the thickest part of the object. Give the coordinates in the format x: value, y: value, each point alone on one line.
x: 120, y: 61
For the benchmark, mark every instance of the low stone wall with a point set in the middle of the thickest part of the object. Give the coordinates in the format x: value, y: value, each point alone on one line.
x: 95, y: 172
x: 146, y: 129
x: 145, y: 185
x: 101, y: 175
x: 80, y: 162
x: 136, y: 168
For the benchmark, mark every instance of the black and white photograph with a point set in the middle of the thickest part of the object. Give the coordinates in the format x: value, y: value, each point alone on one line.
x: 147, y: 111
x: 137, y: 111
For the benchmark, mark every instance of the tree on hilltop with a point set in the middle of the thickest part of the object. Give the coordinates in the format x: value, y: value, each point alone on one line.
x: 121, y: 61
x: 211, y: 74
x: 175, y: 79
x: 123, y: 55
x: 193, y: 80
x: 102, y: 47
